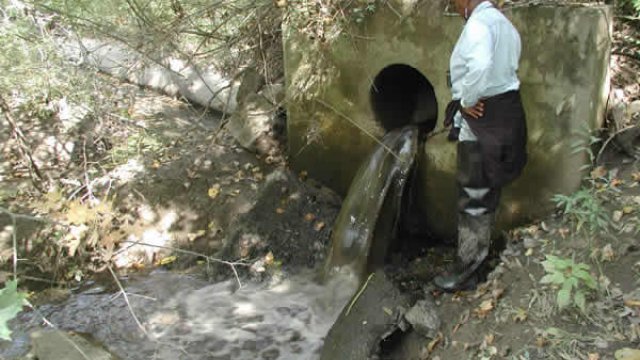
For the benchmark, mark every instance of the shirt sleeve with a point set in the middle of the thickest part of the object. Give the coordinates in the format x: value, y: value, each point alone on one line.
x: 478, y: 57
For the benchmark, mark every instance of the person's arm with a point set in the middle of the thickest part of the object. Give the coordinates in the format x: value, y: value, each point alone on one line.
x: 478, y: 57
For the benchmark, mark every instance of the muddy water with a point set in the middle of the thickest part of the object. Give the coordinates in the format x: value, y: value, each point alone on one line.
x: 187, y: 318
x: 369, y: 215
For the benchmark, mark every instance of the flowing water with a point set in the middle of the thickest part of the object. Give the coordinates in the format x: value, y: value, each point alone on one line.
x: 185, y: 317
x: 369, y: 215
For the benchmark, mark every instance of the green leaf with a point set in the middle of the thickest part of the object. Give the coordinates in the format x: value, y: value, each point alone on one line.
x: 579, y: 300
x: 11, y: 302
x: 570, y: 283
x: 554, y: 331
x: 586, y: 278
x: 564, y: 297
x: 581, y: 266
x: 553, y: 278
x: 548, y: 266
x: 562, y: 264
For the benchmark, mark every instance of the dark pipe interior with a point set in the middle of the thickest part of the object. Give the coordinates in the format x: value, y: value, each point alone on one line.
x: 401, y: 95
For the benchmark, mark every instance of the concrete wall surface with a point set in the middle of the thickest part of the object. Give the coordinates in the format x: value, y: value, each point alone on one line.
x: 564, y: 75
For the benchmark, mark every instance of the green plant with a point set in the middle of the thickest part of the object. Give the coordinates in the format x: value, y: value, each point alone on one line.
x: 584, y: 143
x: 584, y: 207
x: 630, y: 6
x: 573, y: 278
x: 11, y: 302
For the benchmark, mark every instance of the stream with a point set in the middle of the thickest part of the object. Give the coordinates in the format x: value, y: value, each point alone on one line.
x: 167, y: 315
x: 187, y: 318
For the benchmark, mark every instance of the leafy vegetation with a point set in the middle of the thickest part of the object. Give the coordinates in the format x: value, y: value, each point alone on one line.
x: 574, y: 281
x: 584, y: 207
x: 630, y: 6
x: 11, y: 303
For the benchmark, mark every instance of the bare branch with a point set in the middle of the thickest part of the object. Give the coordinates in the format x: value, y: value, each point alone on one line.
x: 231, y: 264
x: 126, y: 300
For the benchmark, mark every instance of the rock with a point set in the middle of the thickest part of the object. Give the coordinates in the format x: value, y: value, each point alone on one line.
x: 254, y: 120
x: 56, y: 345
x: 619, y: 115
x: 250, y: 84
x: 424, y: 318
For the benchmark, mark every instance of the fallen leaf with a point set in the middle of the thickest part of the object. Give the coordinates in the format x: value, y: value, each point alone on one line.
x: 607, y: 253
x: 484, y: 309
x: 167, y: 260
x: 616, y: 182
x: 279, y: 211
x: 594, y: 356
x: 627, y: 354
x: 387, y: 311
x: 319, y: 226
x: 564, y: 232
x: 309, y: 217
x: 195, y: 235
x: 214, y: 191
x: 137, y: 266
x: 268, y: 259
x: 521, y: 315
x: 627, y: 210
x: 599, y: 172
x: 488, y: 339
x: 533, y: 230
x: 433, y: 343
x: 635, y: 176
x: 541, y: 341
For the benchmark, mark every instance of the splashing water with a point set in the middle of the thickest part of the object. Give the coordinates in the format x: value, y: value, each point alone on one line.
x: 186, y: 318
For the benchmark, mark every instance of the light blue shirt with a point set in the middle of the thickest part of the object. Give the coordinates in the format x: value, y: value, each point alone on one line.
x: 485, y: 59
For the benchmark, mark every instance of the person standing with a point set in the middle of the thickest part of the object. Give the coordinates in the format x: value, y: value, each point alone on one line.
x: 489, y: 124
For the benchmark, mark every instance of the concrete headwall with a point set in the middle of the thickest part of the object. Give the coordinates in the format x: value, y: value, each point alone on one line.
x: 564, y: 87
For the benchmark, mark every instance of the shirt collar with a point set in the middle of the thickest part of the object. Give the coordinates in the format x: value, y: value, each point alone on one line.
x: 483, y: 5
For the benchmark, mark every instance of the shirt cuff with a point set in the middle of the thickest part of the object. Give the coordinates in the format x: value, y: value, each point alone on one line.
x: 465, y: 104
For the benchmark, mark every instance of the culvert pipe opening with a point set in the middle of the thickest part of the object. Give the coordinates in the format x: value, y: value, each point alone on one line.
x: 401, y: 95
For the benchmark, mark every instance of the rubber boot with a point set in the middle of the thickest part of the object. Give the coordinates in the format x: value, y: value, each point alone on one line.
x: 474, y: 240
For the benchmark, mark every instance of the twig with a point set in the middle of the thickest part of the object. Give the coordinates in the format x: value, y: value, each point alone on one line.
x: 355, y: 298
x: 126, y: 300
x: 22, y: 144
x: 232, y: 265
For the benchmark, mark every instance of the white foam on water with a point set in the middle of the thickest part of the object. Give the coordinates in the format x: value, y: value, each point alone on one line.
x: 284, y: 321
